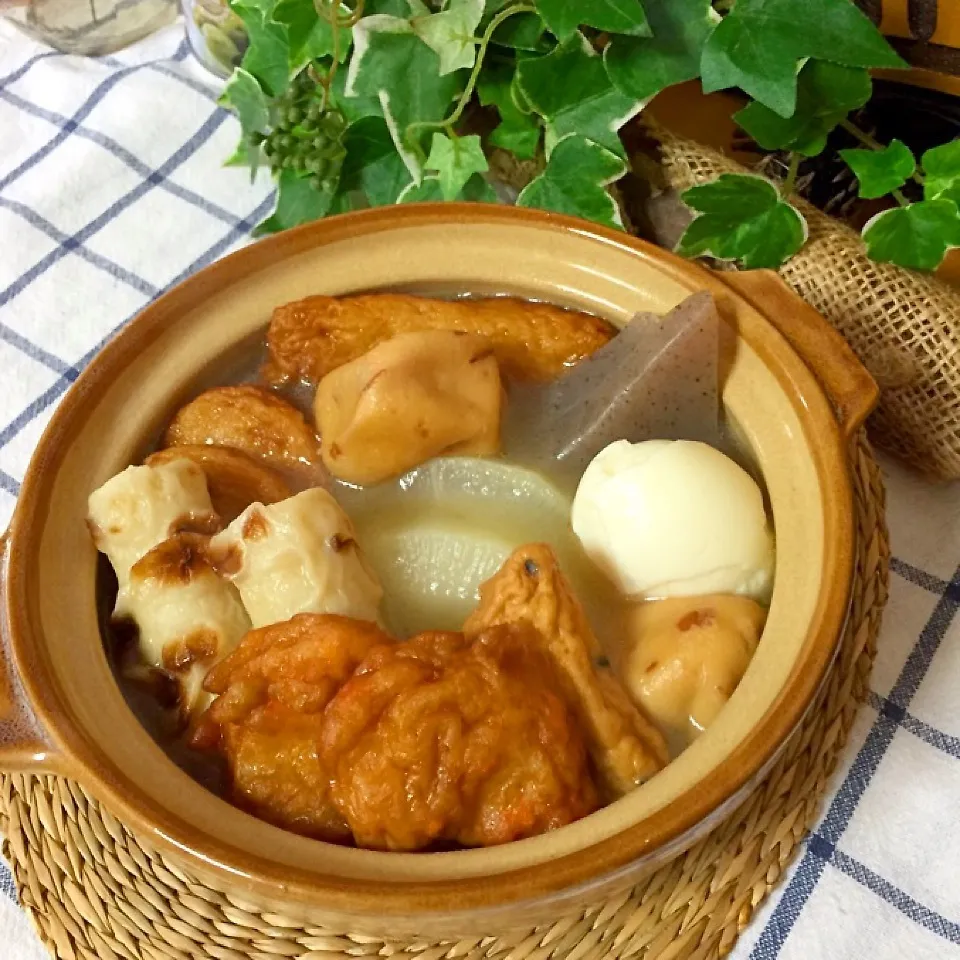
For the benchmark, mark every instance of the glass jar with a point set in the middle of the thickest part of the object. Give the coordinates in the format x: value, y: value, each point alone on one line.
x: 216, y: 34
x: 89, y: 27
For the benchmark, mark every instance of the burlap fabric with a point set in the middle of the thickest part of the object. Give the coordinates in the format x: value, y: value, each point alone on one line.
x: 905, y: 326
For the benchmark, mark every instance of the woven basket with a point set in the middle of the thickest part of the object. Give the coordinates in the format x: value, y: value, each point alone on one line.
x: 97, y: 892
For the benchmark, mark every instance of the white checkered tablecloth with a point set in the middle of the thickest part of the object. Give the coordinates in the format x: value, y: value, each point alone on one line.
x: 112, y: 190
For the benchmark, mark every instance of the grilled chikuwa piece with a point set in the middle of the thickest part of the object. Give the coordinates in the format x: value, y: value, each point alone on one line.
x: 530, y: 588
x: 531, y: 341
x: 250, y: 419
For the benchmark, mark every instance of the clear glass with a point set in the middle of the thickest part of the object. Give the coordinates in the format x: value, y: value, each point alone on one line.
x: 216, y: 34
x: 89, y: 27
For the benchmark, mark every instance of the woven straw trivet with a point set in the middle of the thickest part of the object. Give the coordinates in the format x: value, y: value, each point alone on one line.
x: 95, y: 892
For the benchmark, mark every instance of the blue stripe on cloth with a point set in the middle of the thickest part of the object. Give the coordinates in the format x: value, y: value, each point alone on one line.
x: 791, y: 904
x: 84, y: 110
x: 203, y: 134
x: 7, y: 885
x: 33, y: 351
x: 918, y: 663
x: 25, y: 67
x: 944, y: 742
x: 887, y: 891
x: 918, y: 577
x: 801, y: 886
x: 9, y: 484
x: 37, y: 406
x: 45, y: 226
x: 205, y: 91
x: 122, y: 154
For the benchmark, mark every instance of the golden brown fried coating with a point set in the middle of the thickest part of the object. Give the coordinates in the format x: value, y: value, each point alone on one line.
x: 443, y: 738
x: 331, y: 728
x: 531, y: 341
x: 530, y: 588
x: 250, y: 419
x: 234, y: 480
x: 268, y: 718
x: 408, y: 399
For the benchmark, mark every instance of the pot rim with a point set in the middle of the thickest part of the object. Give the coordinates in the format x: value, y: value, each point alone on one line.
x: 76, y: 757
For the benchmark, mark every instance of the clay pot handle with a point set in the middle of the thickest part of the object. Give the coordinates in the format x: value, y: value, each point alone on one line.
x: 849, y: 386
x: 23, y: 748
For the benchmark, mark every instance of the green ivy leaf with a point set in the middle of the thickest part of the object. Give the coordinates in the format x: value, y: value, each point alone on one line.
x: 743, y: 218
x: 641, y: 68
x: 522, y: 31
x: 353, y: 108
x: 518, y: 97
x: 245, y: 97
x: 520, y: 137
x: 563, y: 17
x: 574, y: 181
x: 298, y: 201
x: 451, y: 34
x: 475, y: 190
x: 826, y: 93
x: 390, y: 8
x: 571, y: 90
x: 342, y: 202
x: 456, y: 160
x: 916, y: 236
x: 941, y: 169
x: 310, y: 35
x: 881, y: 171
x: 372, y: 165
x: 246, y: 155
x: 759, y: 45
x: 268, y: 54
x: 390, y: 61
x: 518, y: 132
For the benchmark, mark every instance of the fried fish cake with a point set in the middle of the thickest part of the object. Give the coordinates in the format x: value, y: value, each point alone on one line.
x: 447, y: 738
x: 268, y: 718
x: 531, y: 341
x: 234, y: 480
x: 332, y: 729
x: 250, y: 419
x: 530, y: 588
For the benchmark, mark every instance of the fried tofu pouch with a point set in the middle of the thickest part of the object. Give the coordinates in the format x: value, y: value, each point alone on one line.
x: 687, y: 655
x: 408, y: 399
x: 333, y: 729
x: 531, y: 341
x: 530, y: 588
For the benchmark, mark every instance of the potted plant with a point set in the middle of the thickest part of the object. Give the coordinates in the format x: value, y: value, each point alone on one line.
x: 356, y: 103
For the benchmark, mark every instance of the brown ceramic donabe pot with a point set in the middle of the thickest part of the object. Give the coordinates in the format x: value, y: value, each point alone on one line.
x: 67, y: 715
